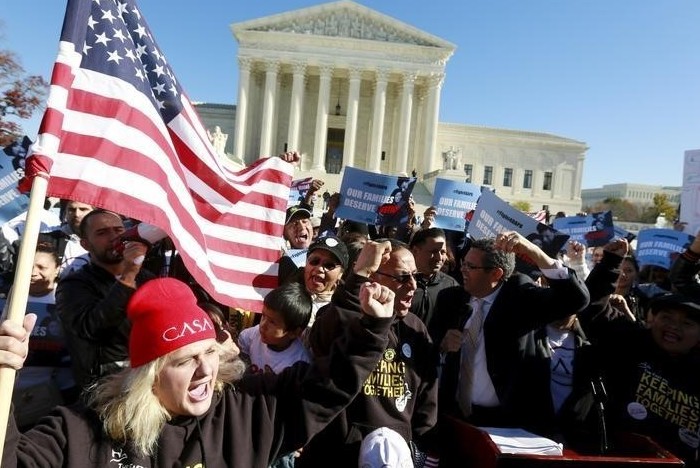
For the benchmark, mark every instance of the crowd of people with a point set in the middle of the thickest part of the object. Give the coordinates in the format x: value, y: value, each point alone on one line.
x: 374, y: 343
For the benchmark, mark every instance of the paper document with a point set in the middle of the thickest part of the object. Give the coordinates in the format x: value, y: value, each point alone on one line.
x: 515, y: 440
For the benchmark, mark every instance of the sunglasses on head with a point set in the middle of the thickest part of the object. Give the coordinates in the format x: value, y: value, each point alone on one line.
x: 327, y: 265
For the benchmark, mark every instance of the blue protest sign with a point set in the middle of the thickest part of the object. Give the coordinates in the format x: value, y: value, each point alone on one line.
x: 453, y: 200
x: 12, y: 202
x: 622, y: 233
x: 593, y: 230
x: 298, y: 256
x: 660, y: 247
x: 493, y: 215
x: 298, y: 190
x: 371, y: 198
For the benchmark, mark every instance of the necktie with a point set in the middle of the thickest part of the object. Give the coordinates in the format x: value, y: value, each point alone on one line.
x: 471, y: 337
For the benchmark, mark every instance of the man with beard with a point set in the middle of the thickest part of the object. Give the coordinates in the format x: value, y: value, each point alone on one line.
x: 429, y: 248
x: 91, y: 302
x: 73, y: 255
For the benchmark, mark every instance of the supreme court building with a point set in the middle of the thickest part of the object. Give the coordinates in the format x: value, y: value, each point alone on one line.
x: 348, y: 86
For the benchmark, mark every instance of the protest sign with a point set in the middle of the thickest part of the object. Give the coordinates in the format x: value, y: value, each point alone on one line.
x: 298, y: 190
x: 493, y: 215
x: 453, y: 200
x: 593, y: 230
x: 621, y: 233
x: 371, y: 198
x: 690, y: 193
x: 298, y: 256
x: 12, y: 202
x: 660, y: 247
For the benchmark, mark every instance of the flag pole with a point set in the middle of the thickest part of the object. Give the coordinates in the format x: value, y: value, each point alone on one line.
x: 20, y: 292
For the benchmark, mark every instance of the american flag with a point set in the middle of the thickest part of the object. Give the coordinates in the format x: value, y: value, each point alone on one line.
x: 540, y: 216
x: 119, y: 133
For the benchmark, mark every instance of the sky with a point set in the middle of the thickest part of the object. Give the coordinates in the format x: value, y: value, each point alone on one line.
x: 621, y: 76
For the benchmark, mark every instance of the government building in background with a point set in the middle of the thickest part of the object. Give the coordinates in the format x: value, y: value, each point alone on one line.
x: 348, y: 86
x: 639, y: 194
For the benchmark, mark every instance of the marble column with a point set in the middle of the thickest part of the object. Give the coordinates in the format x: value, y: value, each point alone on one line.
x: 244, y: 65
x: 269, y: 99
x: 293, y: 140
x: 378, y: 109
x: 432, y: 109
x: 324, y: 90
x: 351, y: 117
x: 405, y: 123
x: 578, y: 175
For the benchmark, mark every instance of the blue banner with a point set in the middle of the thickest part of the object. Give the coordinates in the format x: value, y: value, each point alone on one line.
x: 298, y: 256
x: 12, y: 202
x: 660, y: 247
x: 298, y: 190
x: 593, y: 230
x: 621, y: 233
x: 371, y: 198
x: 453, y: 200
x: 493, y: 215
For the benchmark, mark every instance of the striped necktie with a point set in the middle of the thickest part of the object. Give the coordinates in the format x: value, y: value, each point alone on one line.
x: 471, y: 337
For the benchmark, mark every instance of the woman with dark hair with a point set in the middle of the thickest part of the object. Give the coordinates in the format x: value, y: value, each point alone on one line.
x: 627, y: 297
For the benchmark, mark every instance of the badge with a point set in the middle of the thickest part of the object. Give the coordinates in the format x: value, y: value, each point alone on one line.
x: 406, y: 350
x: 637, y: 411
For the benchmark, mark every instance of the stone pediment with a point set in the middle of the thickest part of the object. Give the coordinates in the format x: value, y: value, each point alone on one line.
x: 344, y: 19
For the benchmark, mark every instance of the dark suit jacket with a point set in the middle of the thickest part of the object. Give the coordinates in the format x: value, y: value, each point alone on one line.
x: 520, y: 308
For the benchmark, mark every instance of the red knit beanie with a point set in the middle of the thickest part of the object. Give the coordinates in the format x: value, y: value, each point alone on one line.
x: 164, y: 317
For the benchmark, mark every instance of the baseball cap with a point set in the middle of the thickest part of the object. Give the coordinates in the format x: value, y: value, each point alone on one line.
x: 333, y: 245
x: 675, y: 301
x: 385, y: 448
x: 296, y: 211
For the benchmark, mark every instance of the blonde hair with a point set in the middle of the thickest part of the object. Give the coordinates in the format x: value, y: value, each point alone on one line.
x: 132, y: 414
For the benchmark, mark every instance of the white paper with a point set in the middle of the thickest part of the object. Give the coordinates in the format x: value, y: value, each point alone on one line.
x: 516, y: 440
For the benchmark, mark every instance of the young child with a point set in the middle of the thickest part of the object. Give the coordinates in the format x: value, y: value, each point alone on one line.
x: 275, y: 343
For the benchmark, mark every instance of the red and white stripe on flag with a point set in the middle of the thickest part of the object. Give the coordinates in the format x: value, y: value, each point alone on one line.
x: 540, y: 216
x: 110, y: 142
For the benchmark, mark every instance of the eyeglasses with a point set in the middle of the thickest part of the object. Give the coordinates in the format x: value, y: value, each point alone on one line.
x: 470, y: 266
x: 403, y: 279
x: 328, y: 266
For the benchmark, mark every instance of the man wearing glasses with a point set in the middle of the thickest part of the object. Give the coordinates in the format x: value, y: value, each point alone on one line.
x: 484, y: 328
x: 401, y: 393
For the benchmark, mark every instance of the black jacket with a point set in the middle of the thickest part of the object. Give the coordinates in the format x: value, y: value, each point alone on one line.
x: 400, y: 393
x: 247, y: 425
x: 520, y: 308
x: 91, y: 304
x: 425, y: 297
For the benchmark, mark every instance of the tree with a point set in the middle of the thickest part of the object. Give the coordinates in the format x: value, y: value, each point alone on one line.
x: 622, y: 210
x: 521, y: 205
x: 661, y: 206
x: 20, y: 96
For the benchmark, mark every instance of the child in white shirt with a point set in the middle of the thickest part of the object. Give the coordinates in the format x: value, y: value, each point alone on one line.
x: 275, y: 344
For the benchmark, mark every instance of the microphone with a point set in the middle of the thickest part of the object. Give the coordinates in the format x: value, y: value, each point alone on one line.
x: 600, y: 396
x: 144, y: 233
